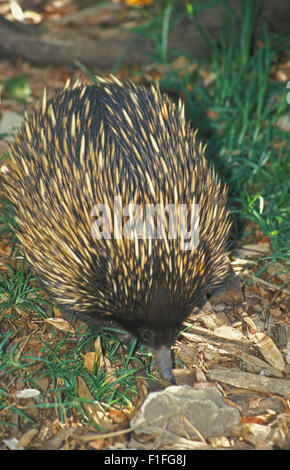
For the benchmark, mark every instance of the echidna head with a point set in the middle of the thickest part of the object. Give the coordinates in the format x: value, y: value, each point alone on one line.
x: 157, y: 325
x: 159, y: 341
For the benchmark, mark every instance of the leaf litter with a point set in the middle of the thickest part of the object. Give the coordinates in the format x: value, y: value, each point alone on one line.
x: 241, y: 350
x: 222, y: 349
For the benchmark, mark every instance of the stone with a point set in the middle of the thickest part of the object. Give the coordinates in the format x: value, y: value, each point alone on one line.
x: 182, y: 411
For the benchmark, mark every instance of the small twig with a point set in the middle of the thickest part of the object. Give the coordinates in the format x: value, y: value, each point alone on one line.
x: 269, y: 284
x: 260, y: 298
x: 195, y: 430
x: 275, y: 296
x: 92, y: 437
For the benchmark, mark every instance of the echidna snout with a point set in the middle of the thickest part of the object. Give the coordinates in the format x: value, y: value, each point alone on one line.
x: 164, y: 362
x: 159, y: 340
x: 85, y: 147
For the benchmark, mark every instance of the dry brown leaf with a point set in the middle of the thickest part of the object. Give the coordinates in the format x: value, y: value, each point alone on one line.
x: 56, y: 312
x: 265, y: 344
x: 98, y: 345
x: 111, y: 375
x: 258, y: 418
x: 117, y: 416
x: 269, y: 350
x: 99, y: 353
x: 95, y: 411
x: 90, y: 361
x: 104, y: 362
x: 60, y: 324
x: 94, y: 358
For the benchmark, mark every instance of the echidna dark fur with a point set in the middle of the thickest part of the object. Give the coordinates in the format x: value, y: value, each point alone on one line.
x: 84, y: 147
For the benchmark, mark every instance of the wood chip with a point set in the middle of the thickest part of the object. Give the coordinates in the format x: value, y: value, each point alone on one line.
x: 265, y: 344
x: 249, y: 381
x: 252, y: 250
x: 256, y: 365
x: 196, y: 333
x: 262, y: 437
x: 26, y: 438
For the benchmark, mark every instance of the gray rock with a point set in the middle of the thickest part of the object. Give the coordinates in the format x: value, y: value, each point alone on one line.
x: 182, y: 411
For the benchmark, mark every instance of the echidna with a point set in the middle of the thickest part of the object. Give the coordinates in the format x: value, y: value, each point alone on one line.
x: 92, y: 145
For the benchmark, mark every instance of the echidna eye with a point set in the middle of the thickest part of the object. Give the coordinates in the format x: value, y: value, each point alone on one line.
x: 146, y: 335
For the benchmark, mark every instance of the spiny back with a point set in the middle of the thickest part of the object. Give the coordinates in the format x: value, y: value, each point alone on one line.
x: 87, y: 146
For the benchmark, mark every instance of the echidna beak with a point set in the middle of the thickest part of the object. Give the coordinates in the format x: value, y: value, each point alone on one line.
x: 164, y: 363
